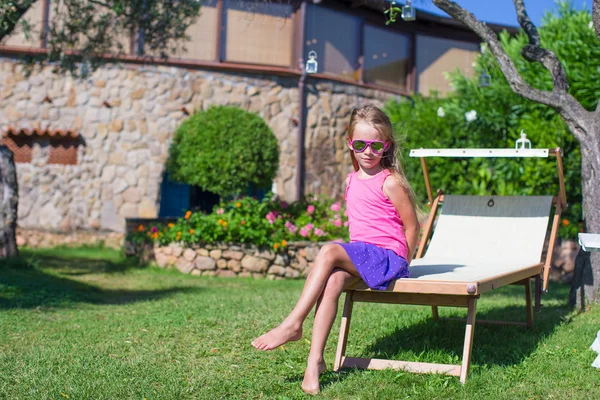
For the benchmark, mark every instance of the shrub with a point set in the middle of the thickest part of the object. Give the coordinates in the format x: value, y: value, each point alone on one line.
x: 500, y: 115
x: 224, y: 150
x: 265, y: 223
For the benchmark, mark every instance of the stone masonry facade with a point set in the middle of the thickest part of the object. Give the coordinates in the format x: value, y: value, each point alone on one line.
x: 126, y: 116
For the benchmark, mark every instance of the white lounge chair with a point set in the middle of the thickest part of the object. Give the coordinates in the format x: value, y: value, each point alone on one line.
x: 480, y: 243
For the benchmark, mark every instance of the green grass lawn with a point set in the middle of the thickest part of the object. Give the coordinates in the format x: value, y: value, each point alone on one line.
x: 88, y: 324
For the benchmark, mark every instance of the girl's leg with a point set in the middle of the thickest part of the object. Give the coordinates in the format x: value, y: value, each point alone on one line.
x: 324, y: 317
x: 330, y: 256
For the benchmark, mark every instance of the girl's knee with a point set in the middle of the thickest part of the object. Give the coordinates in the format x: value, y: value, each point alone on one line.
x: 329, y: 252
x: 335, y: 285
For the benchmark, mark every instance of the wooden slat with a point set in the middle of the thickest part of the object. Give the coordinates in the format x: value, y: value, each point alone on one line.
x: 487, y: 321
x: 415, y: 367
x: 410, y: 298
x: 508, y: 278
x: 422, y: 287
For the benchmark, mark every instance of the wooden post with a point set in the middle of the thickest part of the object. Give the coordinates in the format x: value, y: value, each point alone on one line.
x: 434, y: 313
x: 538, y: 293
x: 561, y: 179
x: 528, y: 301
x: 427, y: 182
x: 9, y: 201
x: 344, y: 329
x: 469, y: 330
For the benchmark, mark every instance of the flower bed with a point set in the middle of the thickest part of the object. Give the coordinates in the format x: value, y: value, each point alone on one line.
x: 243, y: 237
x: 267, y: 223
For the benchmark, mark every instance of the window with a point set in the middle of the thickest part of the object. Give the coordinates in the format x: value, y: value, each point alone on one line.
x: 34, y: 16
x: 386, y: 57
x: 63, y: 151
x: 436, y: 56
x: 21, y: 146
x: 62, y: 145
x: 258, y: 32
x: 202, y: 43
x: 335, y: 37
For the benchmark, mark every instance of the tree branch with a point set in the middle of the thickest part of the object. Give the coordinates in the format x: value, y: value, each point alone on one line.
x: 559, y: 99
x: 534, y: 52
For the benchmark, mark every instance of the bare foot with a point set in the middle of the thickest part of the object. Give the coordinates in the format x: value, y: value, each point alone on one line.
x: 276, y: 337
x: 310, y: 384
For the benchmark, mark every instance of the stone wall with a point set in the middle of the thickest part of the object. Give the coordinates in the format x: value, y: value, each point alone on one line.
x: 35, y: 238
x: 126, y: 116
x: 231, y: 260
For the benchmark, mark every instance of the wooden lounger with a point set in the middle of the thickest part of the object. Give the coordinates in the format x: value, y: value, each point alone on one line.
x: 480, y: 243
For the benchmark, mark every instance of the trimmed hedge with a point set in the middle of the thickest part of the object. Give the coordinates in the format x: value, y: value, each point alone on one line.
x: 224, y: 150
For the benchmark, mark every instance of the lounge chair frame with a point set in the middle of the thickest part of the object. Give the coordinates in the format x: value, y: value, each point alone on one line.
x: 452, y: 293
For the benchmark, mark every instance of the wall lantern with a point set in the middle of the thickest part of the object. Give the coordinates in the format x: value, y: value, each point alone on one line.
x: 312, y: 65
x: 408, y: 11
x: 485, y: 79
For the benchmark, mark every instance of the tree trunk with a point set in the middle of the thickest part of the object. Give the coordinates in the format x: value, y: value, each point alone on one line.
x: 585, y: 288
x: 9, y: 202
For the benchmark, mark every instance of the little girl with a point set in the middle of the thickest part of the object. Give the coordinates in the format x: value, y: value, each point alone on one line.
x: 383, y: 236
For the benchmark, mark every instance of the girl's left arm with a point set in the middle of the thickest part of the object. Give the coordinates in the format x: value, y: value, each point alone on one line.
x: 406, y: 210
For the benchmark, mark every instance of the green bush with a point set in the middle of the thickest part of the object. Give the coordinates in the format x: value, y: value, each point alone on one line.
x: 265, y: 223
x: 500, y: 115
x: 224, y: 150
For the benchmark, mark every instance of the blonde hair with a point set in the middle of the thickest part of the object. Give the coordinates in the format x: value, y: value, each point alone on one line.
x: 376, y: 118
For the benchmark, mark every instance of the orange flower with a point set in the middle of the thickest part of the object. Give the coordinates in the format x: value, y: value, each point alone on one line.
x: 171, y: 225
x: 188, y: 215
x: 155, y: 235
x: 191, y: 231
x: 178, y: 236
x: 141, y: 228
x: 238, y: 204
x: 224, y: 224
x: 565, y: 222
x: 243, y: 222
x: 283, y: 243
x: 276, y: 246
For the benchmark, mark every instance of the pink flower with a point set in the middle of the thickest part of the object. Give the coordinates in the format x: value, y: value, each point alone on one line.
x: 337, y: 222
x: 303, y: 232
x: 336, y: 206
x: 284, y: 204
x: 346, y: 223
x: 154, y: 230
x: 309, y: 227
x: 319, y: 232
x: 220, y: 211
x: 310, y: 209
x: 291, y: 227
x: 271, y: 216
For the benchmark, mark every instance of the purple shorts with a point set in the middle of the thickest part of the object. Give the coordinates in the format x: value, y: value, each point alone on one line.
x: 377, y: 266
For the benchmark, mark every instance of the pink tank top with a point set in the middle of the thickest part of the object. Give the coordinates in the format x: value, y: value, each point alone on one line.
x: 372, y: 217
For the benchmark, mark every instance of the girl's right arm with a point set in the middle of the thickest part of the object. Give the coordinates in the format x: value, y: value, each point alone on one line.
x: 400, y: 198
